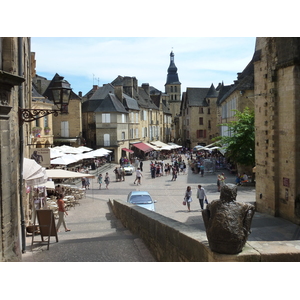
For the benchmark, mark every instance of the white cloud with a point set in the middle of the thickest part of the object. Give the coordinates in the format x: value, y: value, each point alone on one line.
x: 147, y: 59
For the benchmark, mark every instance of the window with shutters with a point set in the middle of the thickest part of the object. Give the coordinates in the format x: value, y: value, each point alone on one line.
x: 106, y: 138
x: 105, y: 118
x: 123, y: 118
x: 64, y: 131
x: 201, y: 133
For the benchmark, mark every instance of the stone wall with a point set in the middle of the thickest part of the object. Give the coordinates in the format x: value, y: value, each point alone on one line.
x: 169, y: 240
x: 277, y: 110
x: 15, y: 92
x: 172, y: 241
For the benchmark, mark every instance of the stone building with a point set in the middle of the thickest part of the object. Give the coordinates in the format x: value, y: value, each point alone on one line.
x: 237, y: 96
x: 41, y: 135
x: 165, y: 115
x: 198, y: 114
x: 15, y: 93
x: 277, y: 123
x: 135, y: 118
x: 67, y: 128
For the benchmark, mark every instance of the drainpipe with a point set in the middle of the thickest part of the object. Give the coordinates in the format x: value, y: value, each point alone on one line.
x: 21, y: 141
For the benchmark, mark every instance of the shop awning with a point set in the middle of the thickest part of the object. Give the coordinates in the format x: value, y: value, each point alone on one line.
x: 61, y: 174
x: 152, y: 146
x: 127, y: 150
x: 145, y: 148
x: 161, y: 145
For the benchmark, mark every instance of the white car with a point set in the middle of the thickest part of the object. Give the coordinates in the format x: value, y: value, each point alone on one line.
x: 129, y: 169
x: 141, y: 198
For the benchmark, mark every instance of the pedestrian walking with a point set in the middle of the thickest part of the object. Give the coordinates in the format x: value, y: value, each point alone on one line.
x: 152, y: 170
x: 141, y: 166
x: 100, y: 181
x: 87, y: 183
x: 202, y: 170
x: 83, y: 182
x: 122, y: 170
x: 221, y: 181
x: 174, y: 173
x: 201, y: 195
x: 188, y: 197
x: 106, y: 180
x: 184, y: 168
x: 138, y: 176
x: 61, y: 213
x: 117, y: 173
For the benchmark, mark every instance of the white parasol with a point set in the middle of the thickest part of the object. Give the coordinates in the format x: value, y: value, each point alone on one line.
x: 64, y: 160
x: 60, y: 174
x: 33, y: 173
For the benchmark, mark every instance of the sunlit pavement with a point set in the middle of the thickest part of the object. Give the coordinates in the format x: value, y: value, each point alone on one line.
x: 96, y: 235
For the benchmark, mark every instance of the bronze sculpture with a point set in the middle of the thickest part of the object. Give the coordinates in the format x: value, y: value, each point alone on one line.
x: 227, y: 222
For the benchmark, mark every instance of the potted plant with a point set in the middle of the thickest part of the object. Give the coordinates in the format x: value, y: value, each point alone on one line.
x: 47, y: 130
x: 36, y: 130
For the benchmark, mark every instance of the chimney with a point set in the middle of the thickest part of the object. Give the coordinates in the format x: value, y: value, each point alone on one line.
x: 80, y: 94
x: 95, y: 87
x: 39, y: 86
x: 119, y: 92
x: 146, y: 88
x: 135, y: 83
x: 128, y: 86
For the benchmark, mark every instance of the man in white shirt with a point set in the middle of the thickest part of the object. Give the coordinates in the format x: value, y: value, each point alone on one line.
x: 138, y: 176
x: 201, y: 195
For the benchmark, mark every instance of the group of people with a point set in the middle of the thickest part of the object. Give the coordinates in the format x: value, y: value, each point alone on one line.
x: 119, y: 173
x: 159, y: 168
x: 85, y: 182
x: 106, y: 180
x: 201, y: 196
x: 240, y: 179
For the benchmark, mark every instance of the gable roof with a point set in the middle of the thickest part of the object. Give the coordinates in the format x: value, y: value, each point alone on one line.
x: 130, y: 103
x: 48, y: 93
x: 138, y: 93
x: 110, y: 104
x: 212, y: 92
x: 89, y: 106
x: 245, y: 81
x: 102, y: 92
x: 196, y: 96
x: 37, y: 97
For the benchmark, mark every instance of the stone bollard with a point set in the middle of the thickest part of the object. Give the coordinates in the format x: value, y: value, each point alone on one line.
x: 227, y: 222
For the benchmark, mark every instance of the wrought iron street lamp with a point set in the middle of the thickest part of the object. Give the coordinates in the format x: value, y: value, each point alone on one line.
x: 60, y: 94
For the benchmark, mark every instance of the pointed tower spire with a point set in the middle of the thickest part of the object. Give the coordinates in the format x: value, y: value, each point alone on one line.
x: 172, y: 77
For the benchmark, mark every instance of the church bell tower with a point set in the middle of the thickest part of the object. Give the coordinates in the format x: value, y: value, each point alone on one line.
x: 173, y: 87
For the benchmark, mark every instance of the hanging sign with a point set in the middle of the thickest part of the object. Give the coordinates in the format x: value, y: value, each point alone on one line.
x: 41, y: 156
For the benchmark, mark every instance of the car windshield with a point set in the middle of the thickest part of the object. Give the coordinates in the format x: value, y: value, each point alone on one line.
x: 126, y: 166
x: 141, y: 199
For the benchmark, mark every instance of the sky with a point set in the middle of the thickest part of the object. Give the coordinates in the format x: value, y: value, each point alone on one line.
x: 88, y: 61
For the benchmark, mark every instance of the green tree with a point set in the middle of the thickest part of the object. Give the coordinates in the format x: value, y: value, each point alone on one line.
x: 240, y: 145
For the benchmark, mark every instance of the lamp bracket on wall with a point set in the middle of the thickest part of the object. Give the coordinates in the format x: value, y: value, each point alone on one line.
x: 29, y: 115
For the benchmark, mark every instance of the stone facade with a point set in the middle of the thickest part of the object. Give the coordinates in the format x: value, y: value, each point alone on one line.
x: 66, y: 129
x: 136, y: 113
x: 15, y: 92
x: 199, y: 116
x: 277, y: 123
